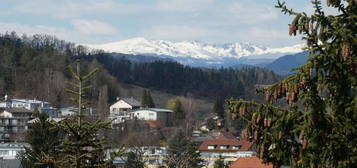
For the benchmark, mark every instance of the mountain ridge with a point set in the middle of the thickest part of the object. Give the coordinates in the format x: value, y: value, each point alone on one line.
x: 196, y: 52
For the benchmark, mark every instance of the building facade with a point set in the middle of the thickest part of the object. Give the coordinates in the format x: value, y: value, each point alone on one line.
x: 41, y: 106
x: 163, y: 116
x: 228, y: 148
x: 123, y: 106
x: 11, y: 150
x: 13, y: 123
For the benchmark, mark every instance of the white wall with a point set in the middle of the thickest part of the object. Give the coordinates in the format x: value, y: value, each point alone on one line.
x: 115, y: 108
x: 6, y: 114
x: 145, y: 114
x: 10, y: 152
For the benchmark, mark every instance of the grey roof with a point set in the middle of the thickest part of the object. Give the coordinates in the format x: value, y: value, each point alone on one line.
x: 131, y: 101
x: 17, y: 110
x: 10, y: 163
x: 28, y: 101
x: 159, y: 110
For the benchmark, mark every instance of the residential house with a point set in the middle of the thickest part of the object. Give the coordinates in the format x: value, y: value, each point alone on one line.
x: 163, y: 116
x: 123, y: 106
x: 227, y: 147
x: 13, y: 122
x: 29, y: 104
x: 249, y: 162
x: 154, y: 156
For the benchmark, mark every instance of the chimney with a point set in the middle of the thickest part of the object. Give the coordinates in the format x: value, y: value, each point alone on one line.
x: 5, y: 97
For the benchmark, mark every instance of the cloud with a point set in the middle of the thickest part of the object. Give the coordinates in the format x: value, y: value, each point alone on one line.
x: 31, y: 30
x: 183, y: 5
x: 251, y: 12
x: 89, y: 27
x: 175, y: 32
x: 64, y: 34
x: 65, y: 9
x: 268, y: 37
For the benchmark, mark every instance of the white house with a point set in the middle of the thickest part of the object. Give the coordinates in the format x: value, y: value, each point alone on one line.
x: 123, y: 106
x: 163, y: 116
x: 154, y: 156
x: 29, y: 104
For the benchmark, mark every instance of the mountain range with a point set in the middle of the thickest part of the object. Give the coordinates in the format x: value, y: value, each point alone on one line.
x: 285, y: 64
x: 200, y: 54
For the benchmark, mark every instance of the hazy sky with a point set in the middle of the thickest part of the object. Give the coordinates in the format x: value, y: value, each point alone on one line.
x: 102, y: 21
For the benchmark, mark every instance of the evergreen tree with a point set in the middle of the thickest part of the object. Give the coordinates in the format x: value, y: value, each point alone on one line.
x: 151, y: 103
x: 182, y: 153
x: 144, y: 98
x: 218, y: 107
x: 178, y: 112
x: 134, y: 160
x: 81, y: 146
x: 318, y: 127
x: 44, y: 139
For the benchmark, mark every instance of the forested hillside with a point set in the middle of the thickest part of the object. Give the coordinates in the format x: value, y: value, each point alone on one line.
x: 175, y: 78
x: 35, y: 67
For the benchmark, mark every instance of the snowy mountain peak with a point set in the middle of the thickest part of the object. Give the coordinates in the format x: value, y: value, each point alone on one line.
x: 196, y: 49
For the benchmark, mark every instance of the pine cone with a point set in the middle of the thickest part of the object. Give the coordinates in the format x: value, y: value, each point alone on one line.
x: 281, y: 134
x: 269, y: 122
x: 267, y: 96
x: 311, y: 26
x: 304, y: 144
x: 256, y: 135
x: 306, y: 26
x: 345, y: 51
x: 301, y: 136
x: 300, y: 29
x: 292, y: 30
x: 265, y: 122
x: 261, y: 151
x: 258, y: 119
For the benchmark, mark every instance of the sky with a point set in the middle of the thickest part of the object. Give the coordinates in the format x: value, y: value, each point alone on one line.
x: 104, y: 21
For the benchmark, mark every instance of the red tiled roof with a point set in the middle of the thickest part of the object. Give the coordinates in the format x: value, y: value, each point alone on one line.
x: 153, y: 124
x: 243, y: 145
x: 249, y: 162
x: 225, y: 135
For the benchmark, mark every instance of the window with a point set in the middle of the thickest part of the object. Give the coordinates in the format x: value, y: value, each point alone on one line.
x: 211, y: 146
x: 151, y: 114
x: 4, y: 153
x: 224, y: 147
x: 236, y: 147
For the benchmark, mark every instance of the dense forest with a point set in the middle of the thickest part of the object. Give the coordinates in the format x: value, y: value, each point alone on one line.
x: 176, y: 78
x: 35, y: 67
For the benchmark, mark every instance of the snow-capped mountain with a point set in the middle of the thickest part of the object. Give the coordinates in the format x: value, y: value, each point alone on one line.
x: 199, y: 53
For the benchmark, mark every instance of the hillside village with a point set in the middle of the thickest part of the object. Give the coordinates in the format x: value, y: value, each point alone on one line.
x: 17, y: 116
